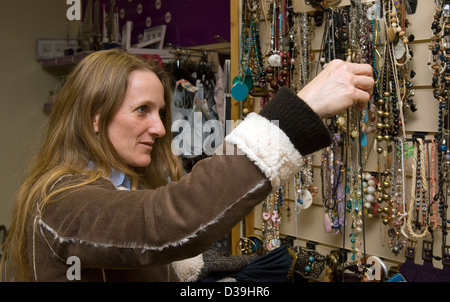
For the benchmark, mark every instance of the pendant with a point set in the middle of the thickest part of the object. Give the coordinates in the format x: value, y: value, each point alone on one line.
x: 371, y: 12
x: 307, y: 199
x: 363, y: 139
x: 241, y: 87
x: 248, y: 80
x: 275, y: 242
x: 275, y: 60
x: 391, y: 34
x: 399, y: 50
x: 239, y: 91
x: 266, y: 216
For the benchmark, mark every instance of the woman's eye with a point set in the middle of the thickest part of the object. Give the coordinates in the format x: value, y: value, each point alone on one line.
x: 142, y: 109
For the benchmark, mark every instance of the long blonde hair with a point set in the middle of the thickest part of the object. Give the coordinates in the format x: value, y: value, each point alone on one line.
x: 97, y: 84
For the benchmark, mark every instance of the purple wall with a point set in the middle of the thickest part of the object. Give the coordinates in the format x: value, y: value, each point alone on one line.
x: 192, y: 22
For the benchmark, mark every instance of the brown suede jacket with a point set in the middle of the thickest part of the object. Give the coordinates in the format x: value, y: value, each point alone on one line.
x: 160, y: 235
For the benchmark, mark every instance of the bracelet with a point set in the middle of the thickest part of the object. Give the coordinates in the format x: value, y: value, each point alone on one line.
x: 310, y: 263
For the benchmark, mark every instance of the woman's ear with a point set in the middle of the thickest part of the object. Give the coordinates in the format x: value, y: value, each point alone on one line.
x: 96, y: 119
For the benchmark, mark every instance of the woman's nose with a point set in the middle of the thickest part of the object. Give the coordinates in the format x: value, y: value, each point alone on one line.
x: 156, y: 127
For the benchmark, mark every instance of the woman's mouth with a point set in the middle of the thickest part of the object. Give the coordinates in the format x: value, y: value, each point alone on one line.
x: 147, y: 145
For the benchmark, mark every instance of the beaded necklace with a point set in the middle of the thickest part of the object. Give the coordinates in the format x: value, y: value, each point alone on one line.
x: 354, y: 199
x: 274, y: 59
x: 397, y: 207
x: 418, y: 193
x: 433, y: 185
x: 284, y: 71
x: 251, y: 69
x: 255, y: 50
x: 440, y: 54
x: 386, y: 102
x: 243, y: 82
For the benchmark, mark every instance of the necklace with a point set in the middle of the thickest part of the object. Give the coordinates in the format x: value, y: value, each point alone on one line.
x: 354, y: 198
x: 304, y: 188
x: 274, y: 59
x: 333, y: 198
x: 396, y: 210
x: 243, y: 82
x: 418, y: 192
x: 302, y: 57
x: 433, y: 185
x: 271, y: 222
x: 440, y: 83
x: 255, y: 49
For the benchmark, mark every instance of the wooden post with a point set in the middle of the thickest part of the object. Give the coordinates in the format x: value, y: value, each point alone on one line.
x: 235, y: 13
x: 234, y: 36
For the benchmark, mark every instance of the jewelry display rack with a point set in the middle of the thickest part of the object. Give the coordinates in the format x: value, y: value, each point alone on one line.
x: 421, y: 127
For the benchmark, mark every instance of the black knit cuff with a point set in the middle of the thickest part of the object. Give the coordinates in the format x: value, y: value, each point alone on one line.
x: 301, y: 124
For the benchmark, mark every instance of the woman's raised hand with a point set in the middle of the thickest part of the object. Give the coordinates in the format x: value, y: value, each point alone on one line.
x: 340, y: 85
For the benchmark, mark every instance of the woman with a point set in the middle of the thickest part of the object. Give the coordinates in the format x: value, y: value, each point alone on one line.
x: 99, y: 189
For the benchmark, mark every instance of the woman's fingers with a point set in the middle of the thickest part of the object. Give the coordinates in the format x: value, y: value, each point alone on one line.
x: 338, y: 86
x: 362, y: 69
x: 364, y: 89
x: 365, y: 83
x: 361, y: 98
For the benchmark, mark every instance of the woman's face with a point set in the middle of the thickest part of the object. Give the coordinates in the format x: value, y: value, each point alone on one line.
x: 137, y: 124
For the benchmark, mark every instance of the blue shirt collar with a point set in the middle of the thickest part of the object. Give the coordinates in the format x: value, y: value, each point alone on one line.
x: 118, y: 178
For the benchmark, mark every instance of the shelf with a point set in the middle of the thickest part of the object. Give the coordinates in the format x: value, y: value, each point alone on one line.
x: 64, y: 61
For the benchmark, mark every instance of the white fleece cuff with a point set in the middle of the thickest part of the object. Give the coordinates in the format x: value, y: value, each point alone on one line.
x: 188, y: 270
x: 264, y: 143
